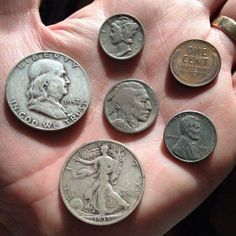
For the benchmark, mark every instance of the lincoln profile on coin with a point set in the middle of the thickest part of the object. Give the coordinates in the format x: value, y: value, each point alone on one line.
x: 129, y: 105
x: 187, y: 147
x: 123, y: 31
x: 48, y: 84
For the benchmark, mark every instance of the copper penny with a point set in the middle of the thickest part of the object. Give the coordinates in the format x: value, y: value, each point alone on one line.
x: 195, y: 63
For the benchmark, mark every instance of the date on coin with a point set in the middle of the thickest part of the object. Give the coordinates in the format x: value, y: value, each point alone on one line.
x: 102, y: 182
x: 190, y: 136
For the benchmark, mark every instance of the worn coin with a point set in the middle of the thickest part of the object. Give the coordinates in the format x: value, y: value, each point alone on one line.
x: 121, y: 36
x: 190, y: 136
x: 48, y: 91
x: 195, y: 63
x: 101, y: 182
x: 131, y: 106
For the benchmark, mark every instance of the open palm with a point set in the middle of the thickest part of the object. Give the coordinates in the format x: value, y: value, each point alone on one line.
x: 31, y: 160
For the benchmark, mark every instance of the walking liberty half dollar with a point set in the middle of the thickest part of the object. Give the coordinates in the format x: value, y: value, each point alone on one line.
x: 190, y: 136
x: 102, y: 182
x: 48, y: 91
x: 131, y: 106
x: 195, y: 63
x: 121, y: 36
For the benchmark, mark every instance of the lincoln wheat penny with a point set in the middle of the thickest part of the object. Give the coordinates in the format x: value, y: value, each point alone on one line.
x: 190, y: 136
x: 102, y: 182
x: 195, y: 63
x: 131, y: 106
x: 48, y: 91
x: 121, y: 36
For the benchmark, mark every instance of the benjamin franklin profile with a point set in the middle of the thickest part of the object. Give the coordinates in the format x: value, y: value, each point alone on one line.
x: 48, y: 84
x: 128, y: 105
x: 122, y: 33
x: 187, y: 147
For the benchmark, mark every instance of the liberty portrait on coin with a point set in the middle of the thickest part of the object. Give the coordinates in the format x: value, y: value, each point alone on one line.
x: 47, y: 86
x: 121, y: 36
x: 123, y: 31
x: 131, y: 106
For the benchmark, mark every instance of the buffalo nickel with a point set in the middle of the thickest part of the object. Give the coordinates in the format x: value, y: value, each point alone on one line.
x: 190, y: 136
x: 195, y: 63
x: 131, y: 106
x: 121, y: 36
x: 101, y: 182
x: 48, y: 91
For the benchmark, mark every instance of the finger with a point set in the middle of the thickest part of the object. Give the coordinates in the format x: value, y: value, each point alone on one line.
x: 213, y: 5
x: 226, y: 47
x: 224, y: 40
x: 234, y: 82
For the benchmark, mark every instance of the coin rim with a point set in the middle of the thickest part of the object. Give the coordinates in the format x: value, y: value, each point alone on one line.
x: 127, y: 57
x: 124, y: 215
x: 153, y: 96
x: 40, y: 128
x: 198, y: 113
x: 189, y: 84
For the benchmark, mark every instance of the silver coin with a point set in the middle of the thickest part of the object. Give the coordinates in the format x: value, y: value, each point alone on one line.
x: 131, y: 106
x: 101, y: 182
x: 48, y: 91
x: 121, y: 36
x: 190, y: 136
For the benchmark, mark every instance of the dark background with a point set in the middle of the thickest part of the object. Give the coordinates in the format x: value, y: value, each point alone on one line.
x: 217, y: 215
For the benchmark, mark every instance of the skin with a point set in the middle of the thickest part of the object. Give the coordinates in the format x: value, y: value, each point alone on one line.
x: 31, y: 161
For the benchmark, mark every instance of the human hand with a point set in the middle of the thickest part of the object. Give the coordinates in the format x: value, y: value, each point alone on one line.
x: 31, y: 160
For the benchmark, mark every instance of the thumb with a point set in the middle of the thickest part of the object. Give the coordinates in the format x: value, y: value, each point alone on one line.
x: 17, y: 6
x: 20, y: 28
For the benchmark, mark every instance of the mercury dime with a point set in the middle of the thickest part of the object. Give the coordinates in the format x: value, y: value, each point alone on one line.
x: 101, y: 182
x: 121, y: 36
x: 48, y: 91
x: 190, y: 136
x: 131, y: 106
x: 195, y: 63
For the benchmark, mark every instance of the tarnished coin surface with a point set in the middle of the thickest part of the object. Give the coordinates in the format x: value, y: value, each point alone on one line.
x: 48, y: 91
x: 195, y: 63
x: 131, y: 106
x: 121, y: 36
x: 101, y: 182
x: 190, y: 136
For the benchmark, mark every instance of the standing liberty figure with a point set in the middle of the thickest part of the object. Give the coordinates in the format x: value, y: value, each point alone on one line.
x: 101, y: 193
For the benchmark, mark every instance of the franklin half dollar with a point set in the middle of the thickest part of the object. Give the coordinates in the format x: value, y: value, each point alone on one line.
x: 121, y: 36
x: 48, y: 91
x: 190, y: 136
x: 195, y: 63
x: 102, y: 182
x: 131, y: 106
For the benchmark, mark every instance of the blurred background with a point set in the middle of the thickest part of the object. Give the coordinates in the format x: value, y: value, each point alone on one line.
x: 217, y: 215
